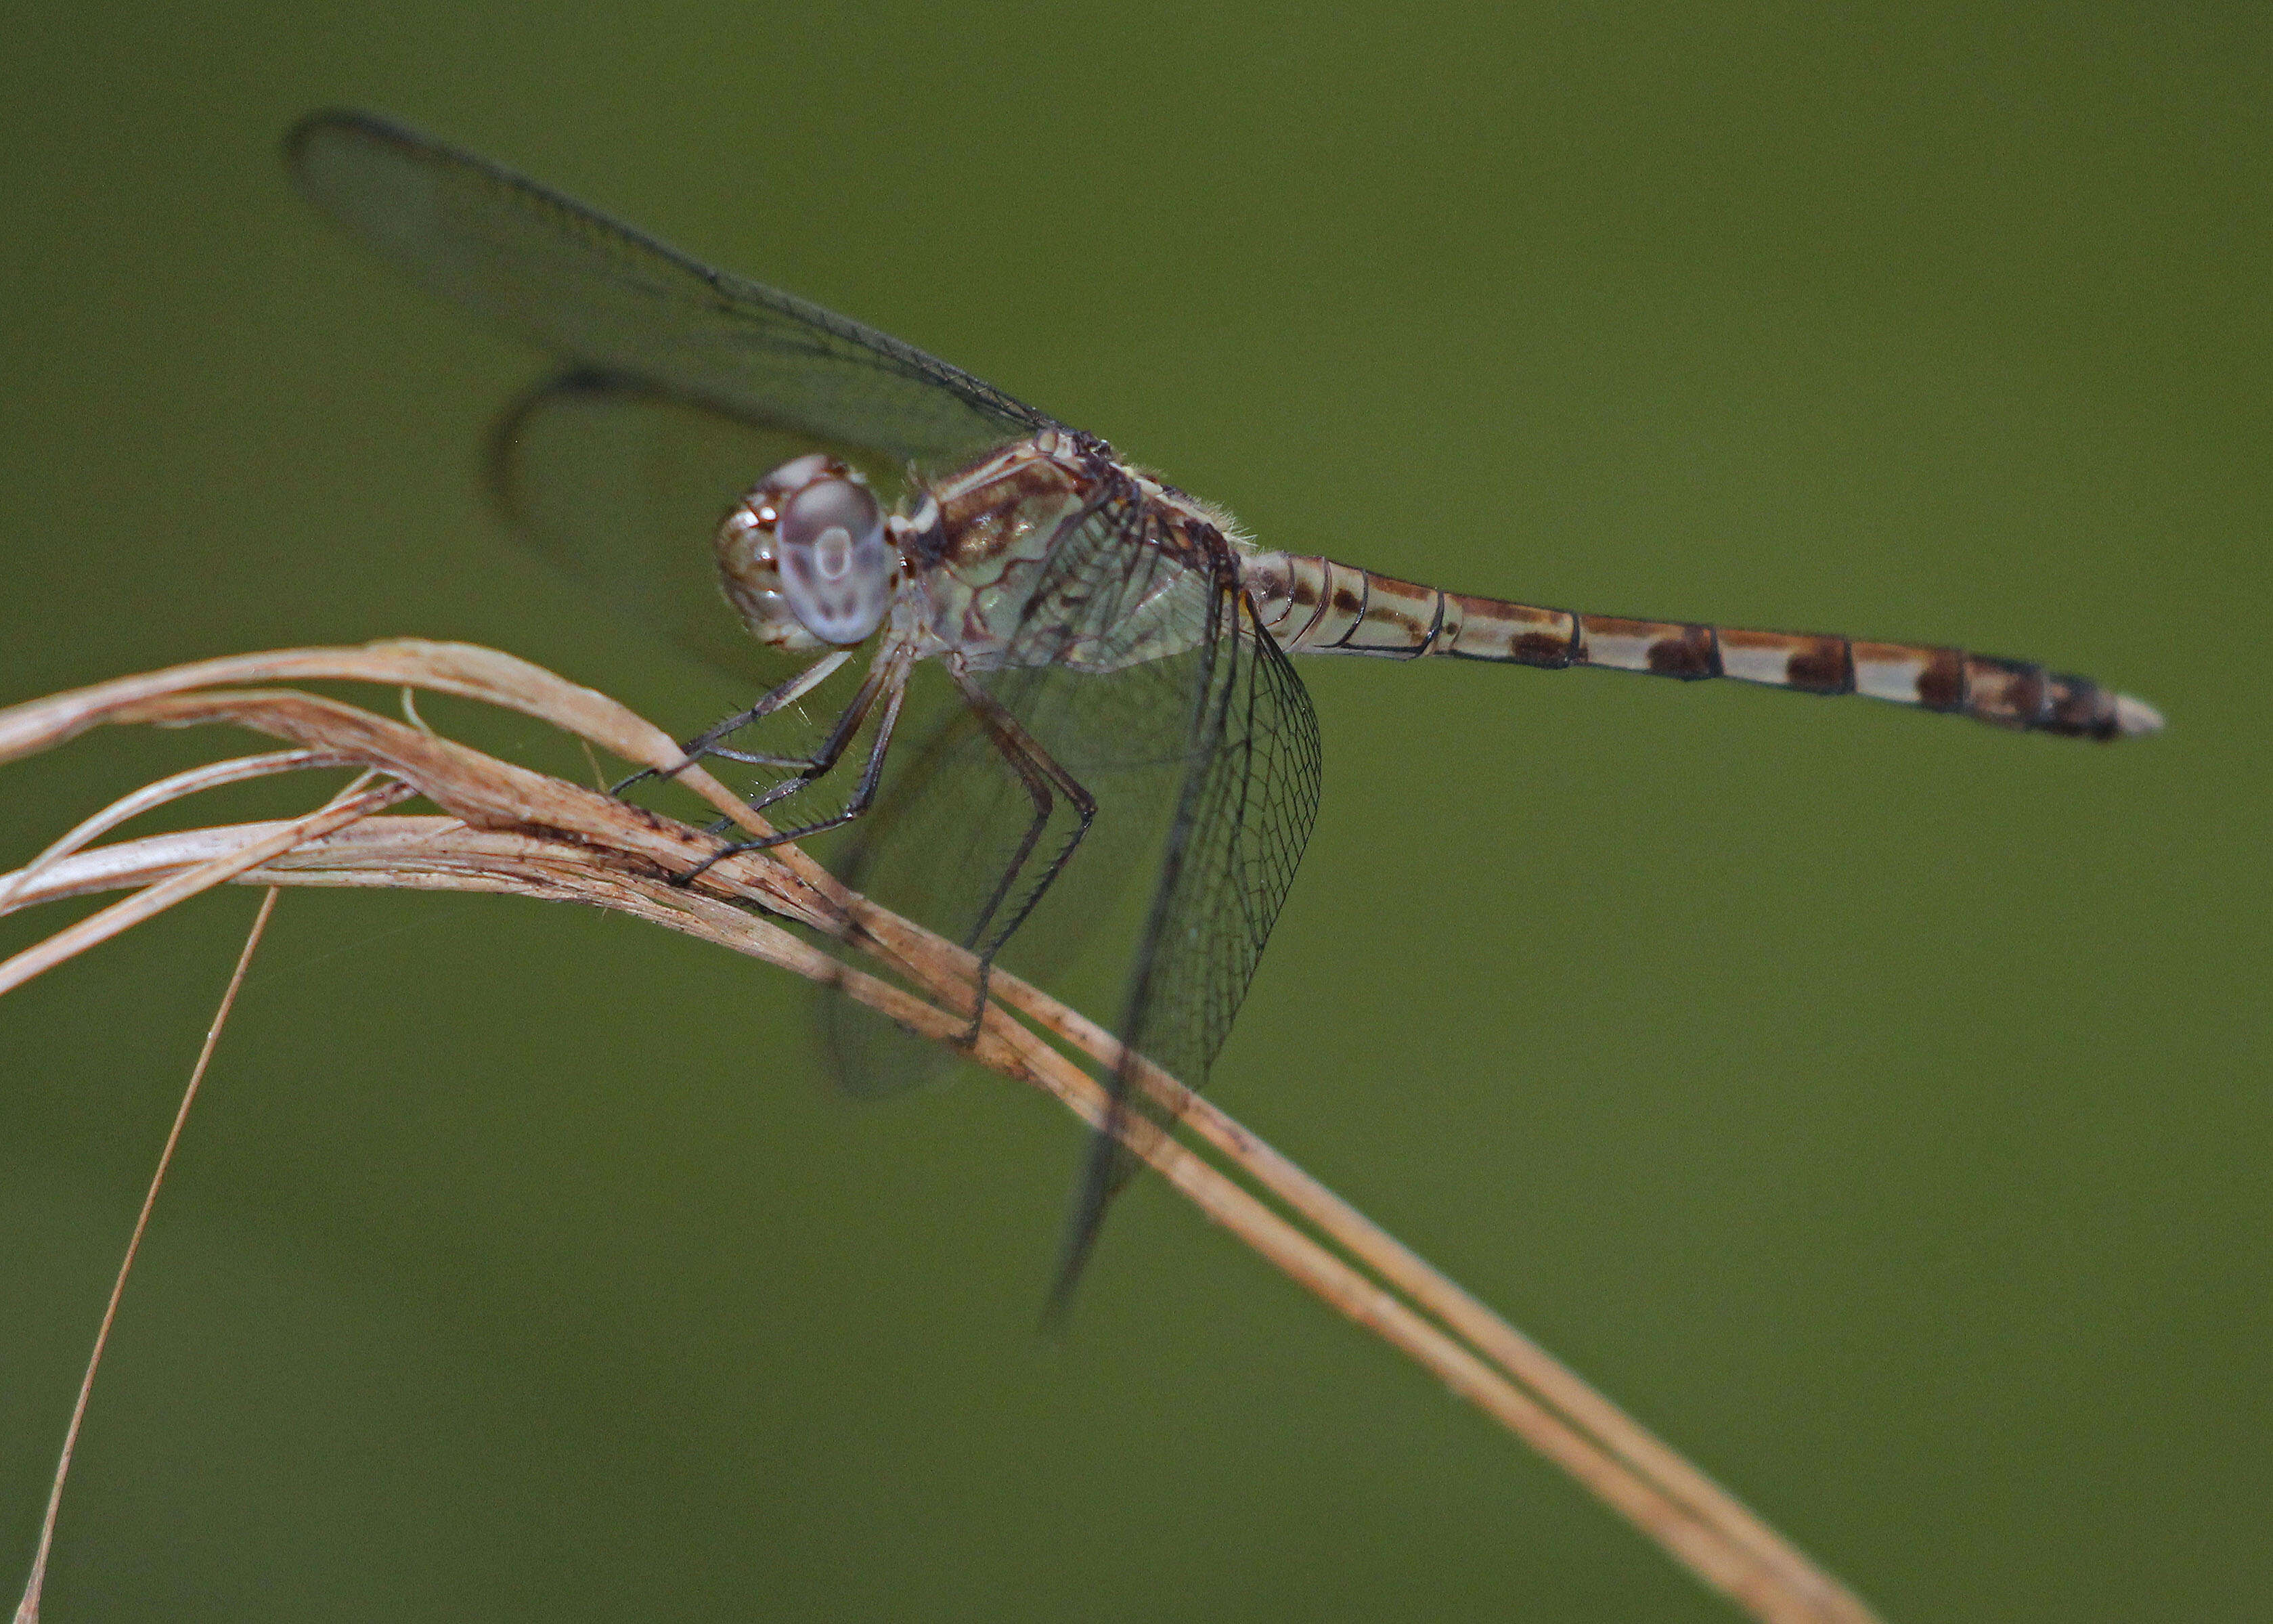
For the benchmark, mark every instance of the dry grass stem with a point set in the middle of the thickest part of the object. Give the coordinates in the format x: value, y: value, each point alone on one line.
x: 27, y: 1610
x: 510, y: 829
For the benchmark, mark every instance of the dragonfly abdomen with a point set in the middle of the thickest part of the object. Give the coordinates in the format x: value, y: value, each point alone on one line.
x: 1315, y: 606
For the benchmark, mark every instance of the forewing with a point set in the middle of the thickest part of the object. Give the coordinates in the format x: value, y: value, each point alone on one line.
x: 617, y: 301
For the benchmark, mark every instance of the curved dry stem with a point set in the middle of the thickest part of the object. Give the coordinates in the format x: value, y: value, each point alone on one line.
x: 150, y: 797
x: 509, y: 830
x: 179, y: 887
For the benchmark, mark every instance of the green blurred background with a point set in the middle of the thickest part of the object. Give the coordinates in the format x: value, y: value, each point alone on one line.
x: 1874, y: 1103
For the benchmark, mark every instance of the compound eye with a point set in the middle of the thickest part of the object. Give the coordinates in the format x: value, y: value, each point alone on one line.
x: 835, y: 564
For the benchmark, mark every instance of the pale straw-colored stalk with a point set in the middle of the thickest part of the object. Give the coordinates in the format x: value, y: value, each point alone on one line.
x: 506, y: 829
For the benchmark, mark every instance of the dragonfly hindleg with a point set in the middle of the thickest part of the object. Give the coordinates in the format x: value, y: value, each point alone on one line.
x: 1039, y: 772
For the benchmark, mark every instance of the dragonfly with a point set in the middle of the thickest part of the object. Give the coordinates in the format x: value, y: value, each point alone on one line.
x: 1118, y: 708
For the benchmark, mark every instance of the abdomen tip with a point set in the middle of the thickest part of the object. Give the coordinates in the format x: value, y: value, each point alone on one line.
x: 2136, y: 716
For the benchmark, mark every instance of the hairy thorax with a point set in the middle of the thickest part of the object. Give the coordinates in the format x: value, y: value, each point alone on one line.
x: 1029, y: 537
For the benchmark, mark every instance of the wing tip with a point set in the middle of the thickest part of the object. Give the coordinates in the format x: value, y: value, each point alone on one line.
x: 347, y: 125
x: 317, y: 121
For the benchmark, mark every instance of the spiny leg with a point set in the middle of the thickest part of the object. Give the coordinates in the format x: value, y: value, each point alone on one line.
x: 888, y: 679
x: 1037, y: 771
x: 707, y: 745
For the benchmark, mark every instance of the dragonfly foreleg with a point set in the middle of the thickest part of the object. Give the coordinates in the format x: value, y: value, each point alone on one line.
x: 1038, y: 771
x: 707, y: 745
x: 888, y: 681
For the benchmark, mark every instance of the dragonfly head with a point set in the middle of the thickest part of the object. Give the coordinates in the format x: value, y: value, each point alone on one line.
x: 806, y: 557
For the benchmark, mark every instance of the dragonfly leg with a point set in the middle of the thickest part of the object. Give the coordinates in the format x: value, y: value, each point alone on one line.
x: 699, y: 749
x: 889, y: 680
x: 1039, y: 772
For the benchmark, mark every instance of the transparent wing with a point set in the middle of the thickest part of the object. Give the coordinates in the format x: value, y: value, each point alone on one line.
x: 1240, y: 826
x: 1139, y: 672
x: 1228, y: 858
x: 615, y: 300
x: 1145, y: 675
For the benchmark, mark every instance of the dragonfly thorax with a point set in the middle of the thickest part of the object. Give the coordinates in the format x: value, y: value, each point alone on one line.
x: 808, y: 559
